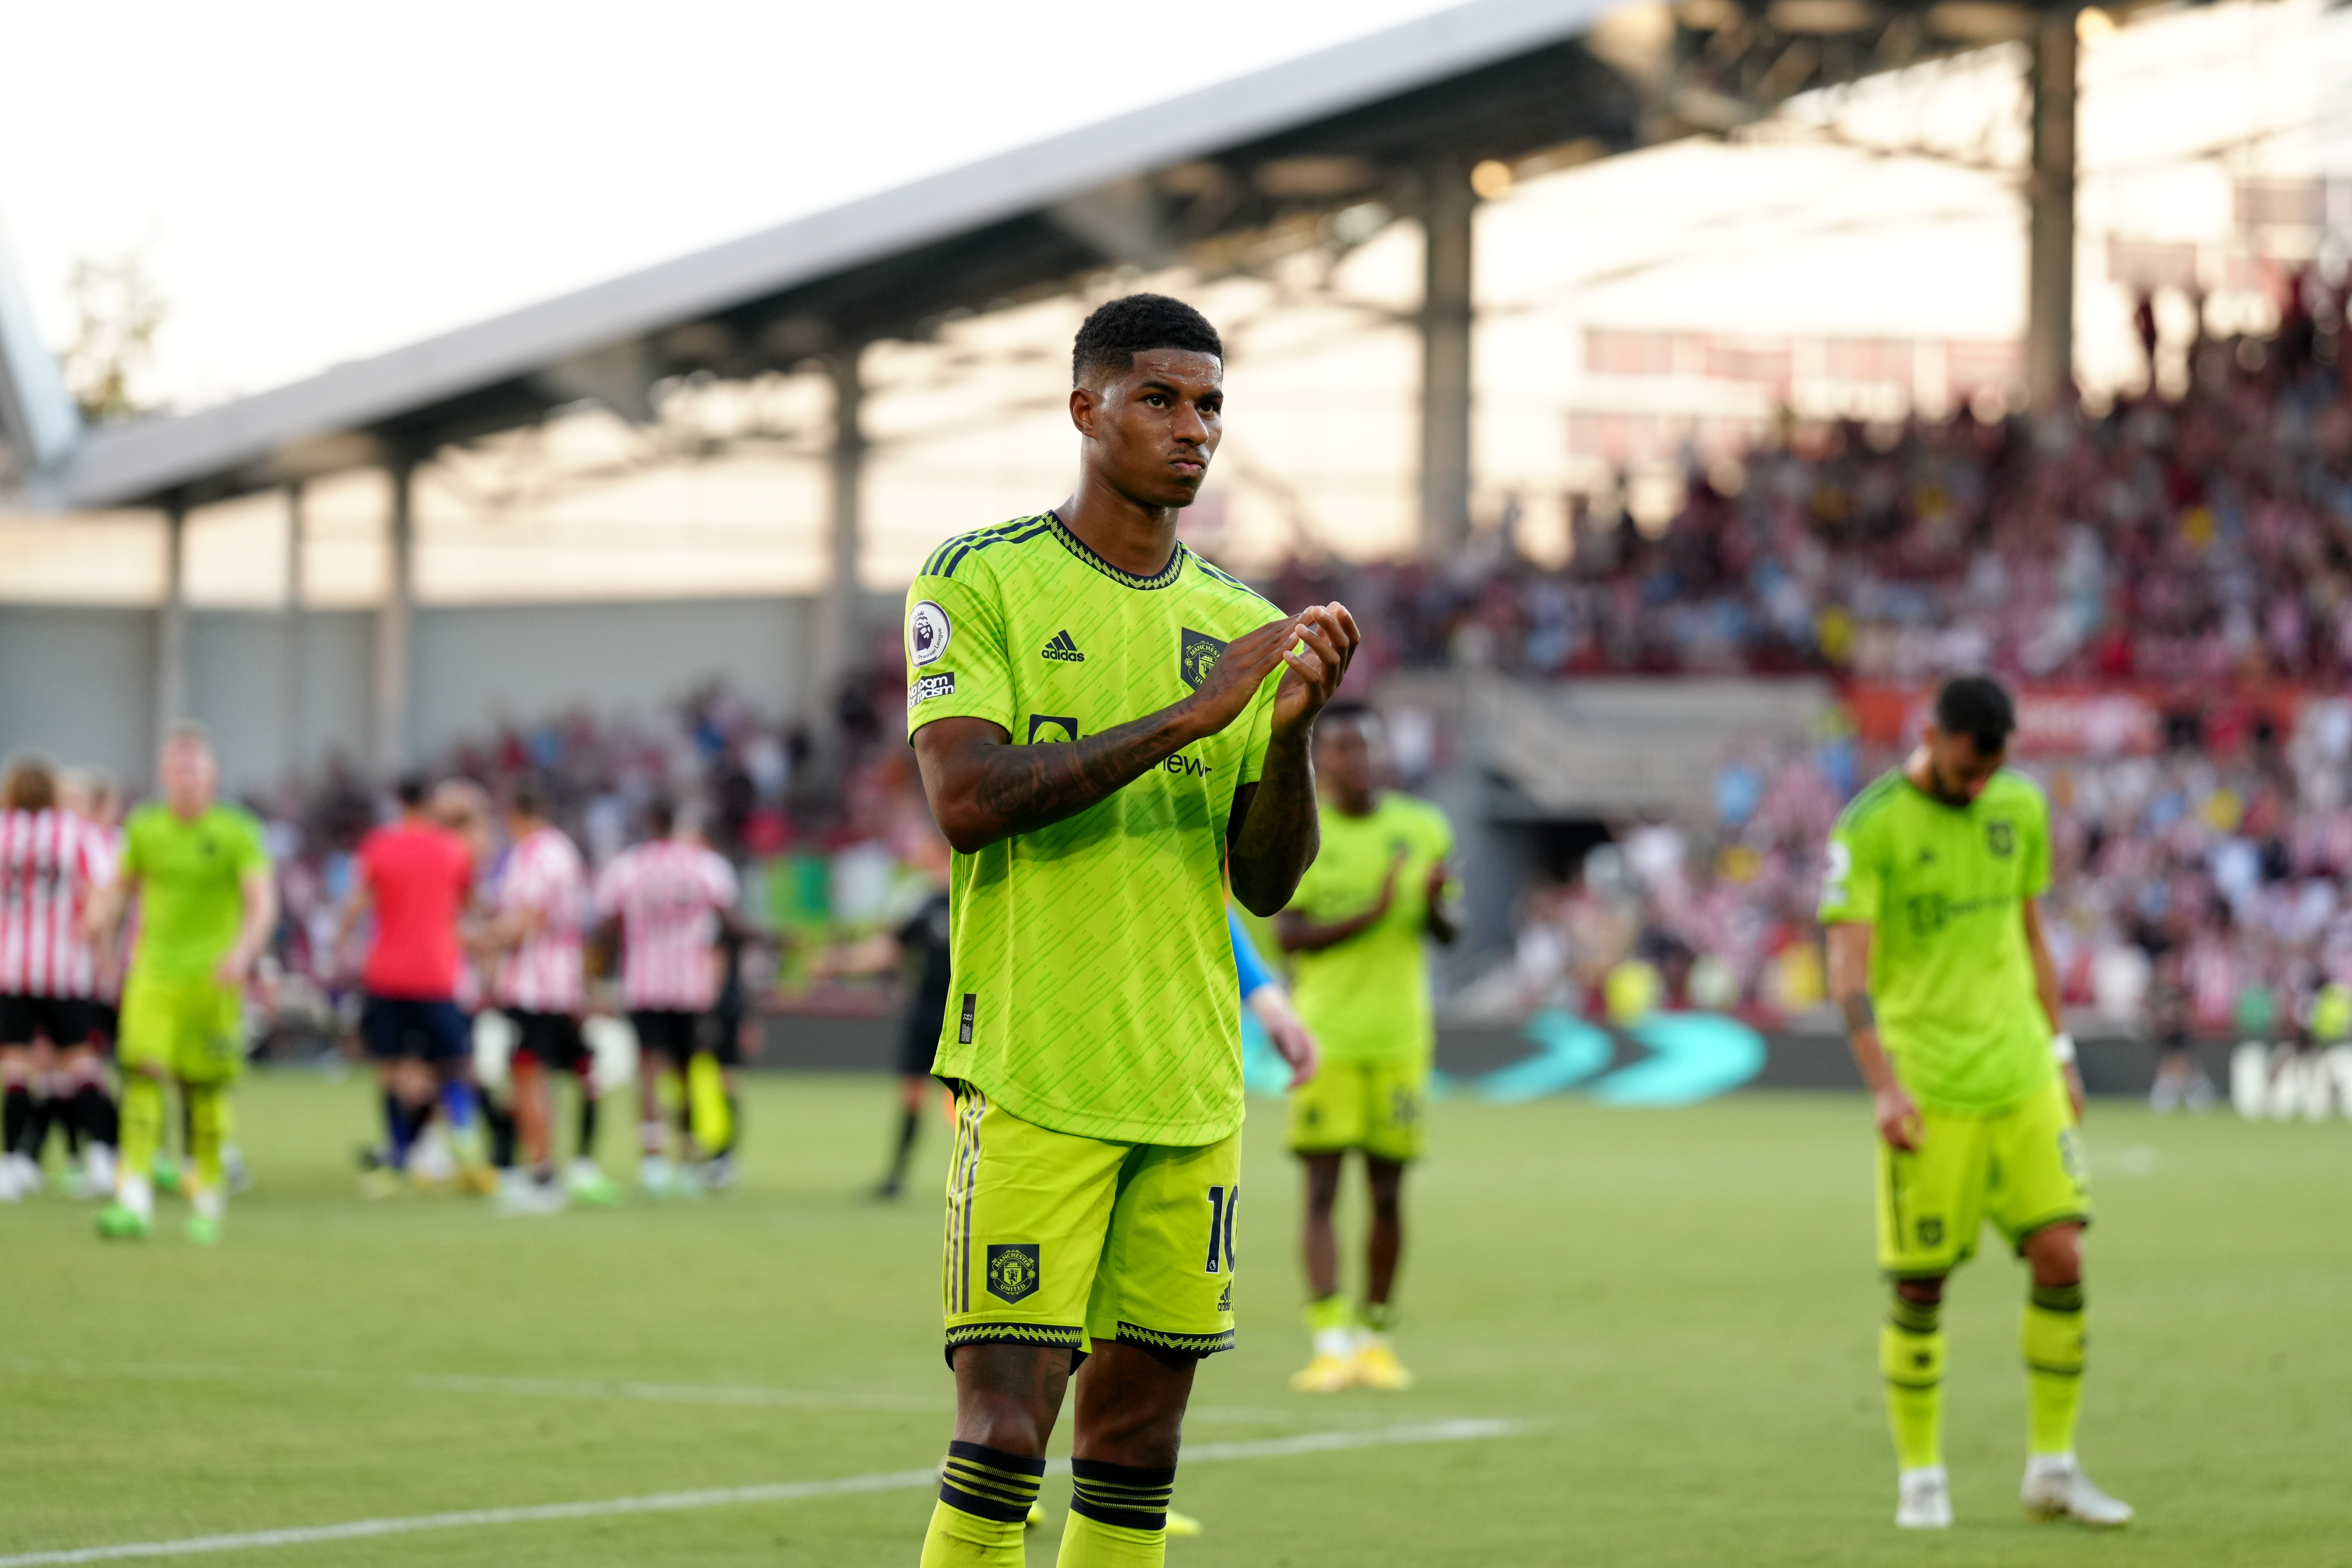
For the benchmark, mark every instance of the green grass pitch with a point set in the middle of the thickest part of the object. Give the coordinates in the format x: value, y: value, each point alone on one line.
x: 1679, y: 1306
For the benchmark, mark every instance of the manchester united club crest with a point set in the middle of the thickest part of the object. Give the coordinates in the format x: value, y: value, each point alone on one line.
x: 2000, y: 837
x: 1197, y: 655
x: 1013, y: 1270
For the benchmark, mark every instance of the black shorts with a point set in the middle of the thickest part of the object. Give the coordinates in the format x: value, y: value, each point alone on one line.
x: 679, y: 1034
x: 919, y: 1035
x: 551, y: 1040
x: 65, y: 1022
x: 400, y: 1027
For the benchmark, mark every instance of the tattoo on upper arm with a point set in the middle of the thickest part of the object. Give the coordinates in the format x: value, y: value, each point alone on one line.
x: 1859, y: 1013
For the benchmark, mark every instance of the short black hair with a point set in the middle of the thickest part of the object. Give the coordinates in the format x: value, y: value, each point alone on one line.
x: 1138, y: 323
x: 410, y: 791
x: 529, y: 797
x: 661, y: 816
x: 1345, y: 711
x: 1977, y: 707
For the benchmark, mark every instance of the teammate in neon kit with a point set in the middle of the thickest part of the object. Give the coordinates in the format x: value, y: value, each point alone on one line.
x: 1951, y: 998
x: 1355, y: 931
x: 206, y: 904
x: 1103, y: 722
x: 52, y: 864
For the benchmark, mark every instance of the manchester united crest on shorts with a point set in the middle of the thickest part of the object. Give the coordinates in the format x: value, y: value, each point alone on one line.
x: 1013, y: 1270
x: 1196, y: 655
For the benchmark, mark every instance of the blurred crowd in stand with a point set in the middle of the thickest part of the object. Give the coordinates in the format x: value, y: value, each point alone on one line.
x: 2205, y: 539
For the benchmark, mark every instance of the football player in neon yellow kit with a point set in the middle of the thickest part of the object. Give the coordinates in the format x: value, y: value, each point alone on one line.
x: 1105, y: 723
x: 1951, y: 998
x: 1356, y: 928
x: 206, y: 904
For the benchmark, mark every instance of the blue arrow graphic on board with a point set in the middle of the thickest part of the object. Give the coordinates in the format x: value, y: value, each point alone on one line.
x: 1567, y: 1051
x: 1693, y: 1056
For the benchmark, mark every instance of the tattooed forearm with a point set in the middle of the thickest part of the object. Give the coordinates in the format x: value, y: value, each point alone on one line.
x: 1018, y: 789
x: 1278, y: 832
x: 982, y: 789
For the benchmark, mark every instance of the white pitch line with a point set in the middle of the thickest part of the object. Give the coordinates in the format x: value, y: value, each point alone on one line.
x: 728, y: 1496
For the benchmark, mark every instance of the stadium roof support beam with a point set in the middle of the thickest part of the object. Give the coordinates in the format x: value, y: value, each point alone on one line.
x: 171, y: 626
x: 835, y: 654
x: 1448, y: 211
x: 290, y: 677
x: 2050, y: 200
x: 395, y: 619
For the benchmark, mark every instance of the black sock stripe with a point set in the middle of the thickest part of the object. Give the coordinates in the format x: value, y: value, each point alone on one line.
x: 996, y: 1459
x: 1124, y: 1517
x: 956, y: 1498
x: 989, y: 1483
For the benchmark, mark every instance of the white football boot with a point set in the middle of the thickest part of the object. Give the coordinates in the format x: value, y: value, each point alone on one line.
x: 1923, y: 1500
x: 2056, y: 1488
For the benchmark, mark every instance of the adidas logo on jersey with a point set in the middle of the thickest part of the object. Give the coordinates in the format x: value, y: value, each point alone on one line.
x: 1063, y: 649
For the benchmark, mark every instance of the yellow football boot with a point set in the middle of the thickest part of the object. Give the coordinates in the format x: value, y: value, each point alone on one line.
x: 1182, y: 1524
x: 1326, y: 1373
x: 1376, y: 1365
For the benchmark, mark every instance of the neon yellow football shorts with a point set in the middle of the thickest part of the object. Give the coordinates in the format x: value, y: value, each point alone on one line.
x: 188, y: 1029
x: 1373, y: 1106
x: 1054, y: 1240
x: 2020, y: 1168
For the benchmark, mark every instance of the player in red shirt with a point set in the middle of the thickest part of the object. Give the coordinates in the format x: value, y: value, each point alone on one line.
x: 416, y: 878
x: 51, y: 861
x: 670, y: 896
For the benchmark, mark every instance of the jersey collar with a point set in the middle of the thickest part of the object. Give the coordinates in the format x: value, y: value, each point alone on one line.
x: 1077, y: 547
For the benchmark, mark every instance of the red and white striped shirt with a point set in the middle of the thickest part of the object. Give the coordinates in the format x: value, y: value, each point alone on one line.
x: 666, y: 893
x: 544, y: 876
x: 50, y: 863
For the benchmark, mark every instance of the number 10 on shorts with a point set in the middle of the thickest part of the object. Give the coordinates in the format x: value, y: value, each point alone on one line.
x: 1222, y: 1200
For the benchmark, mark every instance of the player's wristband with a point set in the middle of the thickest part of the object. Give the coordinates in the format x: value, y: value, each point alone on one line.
x: 2061, y: 1048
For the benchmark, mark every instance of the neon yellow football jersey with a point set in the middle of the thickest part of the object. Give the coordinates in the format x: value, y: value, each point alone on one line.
x: 1950, y: 973
x: 1093, y: 988
x: 1367, y: 999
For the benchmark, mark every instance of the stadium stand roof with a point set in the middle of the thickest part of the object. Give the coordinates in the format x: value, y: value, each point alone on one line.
x: 1492, y: 78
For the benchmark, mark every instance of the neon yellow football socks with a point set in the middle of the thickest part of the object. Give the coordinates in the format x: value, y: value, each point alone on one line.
x: 983, y: 1513
x: 1119, y: 1516
x: 142, y: 1124
x: 2052, y: 1339
x: 708, y: 1110
x: 207, y: 1131
x: 1911, y: 1357
x: 1091, y: 1543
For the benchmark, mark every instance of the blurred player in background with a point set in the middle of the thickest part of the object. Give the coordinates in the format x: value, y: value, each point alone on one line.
x: 94, y: 796
x: 918, y: 947
x: 541, y: 906
x: 462, y: 807
x: 415, y: 878
x: 208, y: 903
x: 52, y: 864
x: 667, y: 895
x: 1936, y: 958
x: 1355, y: 931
